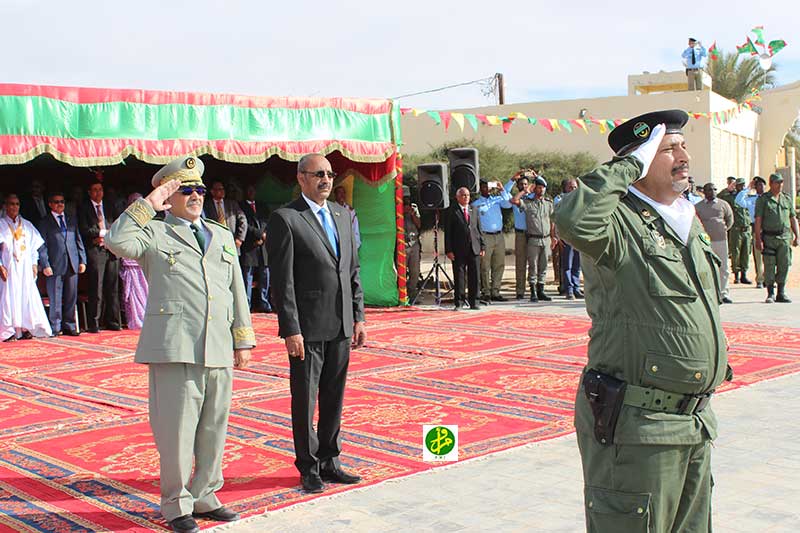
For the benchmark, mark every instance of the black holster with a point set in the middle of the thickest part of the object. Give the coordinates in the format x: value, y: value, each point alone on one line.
x: 606, y: 395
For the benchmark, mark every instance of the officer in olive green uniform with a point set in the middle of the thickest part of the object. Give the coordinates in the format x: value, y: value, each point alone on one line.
x: 196, y: 327
x: 740, y: 238
x: 657, y: 350
x: 540, y: 234
x: 776, y: 229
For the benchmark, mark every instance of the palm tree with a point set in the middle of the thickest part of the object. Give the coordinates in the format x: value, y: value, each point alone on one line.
x: 736, y: 76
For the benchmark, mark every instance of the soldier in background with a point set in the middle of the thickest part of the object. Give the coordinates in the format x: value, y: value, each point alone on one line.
x: 776, y: 231
x: 411, y: 224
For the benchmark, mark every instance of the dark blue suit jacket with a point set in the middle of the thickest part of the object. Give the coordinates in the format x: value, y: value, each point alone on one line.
x: 58, y: 252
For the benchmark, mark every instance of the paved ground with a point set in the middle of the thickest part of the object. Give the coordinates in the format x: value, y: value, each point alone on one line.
x: 538, y: 487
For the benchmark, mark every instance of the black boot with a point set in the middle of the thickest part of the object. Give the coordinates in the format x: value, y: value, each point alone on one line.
x: 744, y: 279
x: 534, y: 299
x: 540, y: 293
x: 782, y: 298
x: 770, y: 294
x: 736, y: 277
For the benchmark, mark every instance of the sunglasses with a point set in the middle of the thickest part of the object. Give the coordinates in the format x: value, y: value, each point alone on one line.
x: 186, y: 190
x: 321, y: 174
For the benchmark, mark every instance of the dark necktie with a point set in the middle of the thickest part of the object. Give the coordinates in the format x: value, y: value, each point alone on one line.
x: 62, y: 225
x: 200, y: 236
x: 466, y: 215
x: 693, y: 57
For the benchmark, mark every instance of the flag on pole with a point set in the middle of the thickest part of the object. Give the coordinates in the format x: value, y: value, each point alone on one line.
x: 776, y: 46
x: 713, y: 52
x: 747, y: 47
x: 759, y: 31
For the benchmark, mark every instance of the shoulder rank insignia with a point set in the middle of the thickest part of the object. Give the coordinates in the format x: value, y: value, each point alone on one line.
x: 228, y: 250
x: 659, y: 239
x: 705, y: 238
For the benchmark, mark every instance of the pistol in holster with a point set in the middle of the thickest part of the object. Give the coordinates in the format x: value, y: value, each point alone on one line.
x: 606, y: 395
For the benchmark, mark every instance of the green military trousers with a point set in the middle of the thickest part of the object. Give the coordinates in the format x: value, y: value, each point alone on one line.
x: 740, y: 242
x: 521, y: 261
x: 777, y: 259
x: 493, y: 263
x: 638, y: 488
x: 189, y: 406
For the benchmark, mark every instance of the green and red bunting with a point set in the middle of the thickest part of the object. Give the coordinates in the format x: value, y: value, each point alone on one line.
x: 86, y: 127
x: 602, y: 125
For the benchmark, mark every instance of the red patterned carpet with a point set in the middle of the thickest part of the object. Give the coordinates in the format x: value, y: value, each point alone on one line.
x: 76, y: 453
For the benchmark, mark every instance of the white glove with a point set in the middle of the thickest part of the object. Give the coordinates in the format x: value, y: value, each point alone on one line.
x: 647, y: 151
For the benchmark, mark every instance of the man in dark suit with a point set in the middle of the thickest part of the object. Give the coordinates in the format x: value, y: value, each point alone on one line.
x: 463, y: 245
x: 61, y: 258
x: 317, y: 293
x: 94, y: 220
x: 254, y: 252
x: 226, y: 212
x: 34, y: 205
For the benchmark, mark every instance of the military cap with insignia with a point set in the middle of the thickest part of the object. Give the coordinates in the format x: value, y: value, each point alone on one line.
x: 740, y: 181
x: 759, y: 178
x: 731, y: 178
x: 631, y: 133
x: 540, y: 181
x: 775, y: 178
x: 189, y: 170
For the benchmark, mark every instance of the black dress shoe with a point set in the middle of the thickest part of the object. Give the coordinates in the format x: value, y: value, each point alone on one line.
x: 474, y: 307
x: 337, y: 475
x: 726, y: 300
x: 93, y: 330
x: 498, y: 298
x: 70, y: 333
x: 578, y: 293
x: 222, y: 514
x: 312, y: 483
x: 744, y: 280
x: 184, y: 524
x: 114, y: 328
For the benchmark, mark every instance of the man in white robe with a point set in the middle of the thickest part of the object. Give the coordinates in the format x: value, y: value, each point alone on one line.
x: 21, y: 309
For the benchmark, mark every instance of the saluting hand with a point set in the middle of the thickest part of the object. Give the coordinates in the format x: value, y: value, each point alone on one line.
x: 3, y: 273
x: 159, y: 198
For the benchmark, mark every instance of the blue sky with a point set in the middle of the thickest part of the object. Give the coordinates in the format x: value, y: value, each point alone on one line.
x: 546, y: 50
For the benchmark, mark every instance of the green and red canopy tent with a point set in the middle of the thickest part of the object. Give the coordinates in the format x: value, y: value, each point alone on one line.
x: 258, y: 138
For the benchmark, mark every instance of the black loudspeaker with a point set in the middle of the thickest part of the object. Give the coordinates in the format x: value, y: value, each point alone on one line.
x: 432, y: 186
x: 463, y: 170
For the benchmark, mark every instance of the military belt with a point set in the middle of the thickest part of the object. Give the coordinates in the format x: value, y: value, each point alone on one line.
x: 519, y: 230
x: 772, y: 233
x: 492, y: 232
x: 535, y: 236
x: 654, y: 399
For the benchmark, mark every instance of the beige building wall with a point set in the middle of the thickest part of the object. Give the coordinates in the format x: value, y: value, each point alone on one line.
x: 745, y: 146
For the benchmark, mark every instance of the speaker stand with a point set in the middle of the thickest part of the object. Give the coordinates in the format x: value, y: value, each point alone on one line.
x: 435, y: 269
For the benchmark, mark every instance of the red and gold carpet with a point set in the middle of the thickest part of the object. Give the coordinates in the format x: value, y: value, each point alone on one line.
x: 76, y: 453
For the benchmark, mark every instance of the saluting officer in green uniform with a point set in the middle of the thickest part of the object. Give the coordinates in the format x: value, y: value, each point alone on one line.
x: 657, y: 350
x: 740, y: 239
x: 196, y: 327
x: 776, y: 228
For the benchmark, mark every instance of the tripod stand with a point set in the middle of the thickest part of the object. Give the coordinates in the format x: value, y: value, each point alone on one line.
x: 434, y: 271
